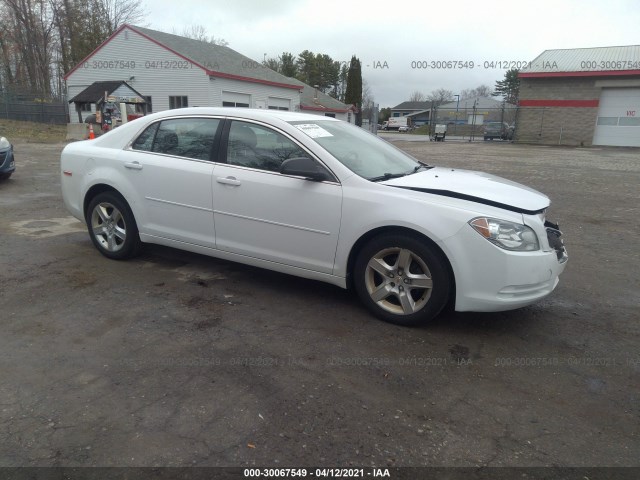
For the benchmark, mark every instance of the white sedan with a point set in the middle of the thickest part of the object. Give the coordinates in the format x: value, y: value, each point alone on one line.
x: 318, y: 198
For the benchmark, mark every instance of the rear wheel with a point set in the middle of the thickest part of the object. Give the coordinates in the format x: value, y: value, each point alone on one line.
x: 112, y: 227
x: 402, y: 279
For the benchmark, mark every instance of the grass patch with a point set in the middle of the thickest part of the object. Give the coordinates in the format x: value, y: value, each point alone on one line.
x: 32, y: 132
x: 423, y: 130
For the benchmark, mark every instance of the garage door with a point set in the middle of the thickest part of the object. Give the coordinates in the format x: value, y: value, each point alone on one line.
x: 618, y: 118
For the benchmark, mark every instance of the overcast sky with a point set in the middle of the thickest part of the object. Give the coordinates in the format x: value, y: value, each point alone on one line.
x: 404, y: 31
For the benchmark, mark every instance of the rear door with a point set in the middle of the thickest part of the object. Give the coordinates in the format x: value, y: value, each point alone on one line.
x: 169, y: 168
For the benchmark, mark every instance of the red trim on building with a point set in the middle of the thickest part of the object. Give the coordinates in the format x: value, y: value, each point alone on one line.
x: 560, y: 103
x: 324, y: 109
x: 208, y: 72
x: 213, y: 73
x: 604, y: 73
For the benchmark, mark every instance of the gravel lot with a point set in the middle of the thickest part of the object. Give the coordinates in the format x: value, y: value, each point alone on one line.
x: 176, y: 359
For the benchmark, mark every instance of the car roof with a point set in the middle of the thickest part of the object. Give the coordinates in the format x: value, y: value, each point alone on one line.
x: 250, y: 113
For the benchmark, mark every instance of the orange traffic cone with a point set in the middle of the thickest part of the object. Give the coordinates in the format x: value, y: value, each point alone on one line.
x: 92, y: 135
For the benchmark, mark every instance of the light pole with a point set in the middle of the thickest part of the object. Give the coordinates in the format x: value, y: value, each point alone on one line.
x: 455, y: 125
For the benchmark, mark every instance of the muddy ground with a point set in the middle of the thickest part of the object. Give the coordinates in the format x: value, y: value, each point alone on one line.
x: 176, y: 359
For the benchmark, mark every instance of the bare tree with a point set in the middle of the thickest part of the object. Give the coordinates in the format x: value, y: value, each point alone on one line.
x: 483, y: 91
x: 42, y: 39
x: 368, y: 102
x: 30, y: 31
x: 118, y: 12
x: 417, y: 96
x: 480, y: 91
x: 199, y: 32
x: 440, y: 96
x: 467, y: 93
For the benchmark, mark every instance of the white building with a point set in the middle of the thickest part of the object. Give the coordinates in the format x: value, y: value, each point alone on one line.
x: 170, y: 71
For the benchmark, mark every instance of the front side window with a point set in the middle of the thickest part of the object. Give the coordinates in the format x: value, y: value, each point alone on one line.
x: 255, y: 146
x: 183, y: 137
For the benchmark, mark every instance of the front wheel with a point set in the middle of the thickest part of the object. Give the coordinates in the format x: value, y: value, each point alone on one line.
x: 112, y: 227
x: 402, y: 279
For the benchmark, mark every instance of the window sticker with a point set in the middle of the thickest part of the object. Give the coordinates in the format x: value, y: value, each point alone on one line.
x: 313, y: 130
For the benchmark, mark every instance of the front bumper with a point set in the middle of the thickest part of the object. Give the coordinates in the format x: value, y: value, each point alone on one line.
x: 7, y: 162
x: 491, y: 279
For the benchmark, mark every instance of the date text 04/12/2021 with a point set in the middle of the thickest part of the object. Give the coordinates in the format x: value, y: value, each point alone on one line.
x: 316, y: 473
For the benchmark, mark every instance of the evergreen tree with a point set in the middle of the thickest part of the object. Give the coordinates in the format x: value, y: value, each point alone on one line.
x: 287, y: 64
x: 509, y: 87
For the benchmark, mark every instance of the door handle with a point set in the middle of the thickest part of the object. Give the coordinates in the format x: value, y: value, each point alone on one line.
x: 133, y: 165
x: 228, y: 181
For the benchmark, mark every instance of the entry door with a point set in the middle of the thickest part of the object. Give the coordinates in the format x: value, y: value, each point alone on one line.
x: 262, y: 214
x: 170, y: 171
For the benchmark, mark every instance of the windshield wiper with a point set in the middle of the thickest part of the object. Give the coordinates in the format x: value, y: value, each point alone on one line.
x: 388, y: 176
x: 422, y: 165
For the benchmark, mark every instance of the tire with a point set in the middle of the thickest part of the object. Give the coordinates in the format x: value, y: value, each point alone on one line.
x: 112, y: 227
x: 419, y: 296
x: 5, y: 176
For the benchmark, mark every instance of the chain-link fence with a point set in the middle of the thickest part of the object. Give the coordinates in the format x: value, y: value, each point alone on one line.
x: 471, y: 123
x: 30, y: 107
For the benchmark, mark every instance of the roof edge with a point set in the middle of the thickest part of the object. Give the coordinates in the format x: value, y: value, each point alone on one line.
x: 324, y: 109
x: 214, y: 73
x: 581, y: 73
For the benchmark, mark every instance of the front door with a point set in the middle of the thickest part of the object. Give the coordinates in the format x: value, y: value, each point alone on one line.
x: 261, y: 213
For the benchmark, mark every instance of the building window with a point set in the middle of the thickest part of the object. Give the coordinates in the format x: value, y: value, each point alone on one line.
x: 277, y: 103
x: 629, y: 122
x: 332, y: 115
x: 612, y: 121
x: 85, y: 107
x: 178, y: 102
x: 147, y: 99
x: 235, y: 104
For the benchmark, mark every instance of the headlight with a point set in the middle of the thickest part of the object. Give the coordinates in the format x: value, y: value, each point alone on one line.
x: 507, y: 235
x: 4, y: 143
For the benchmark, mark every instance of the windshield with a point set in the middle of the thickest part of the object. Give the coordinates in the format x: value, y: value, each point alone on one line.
x: 361, y: 152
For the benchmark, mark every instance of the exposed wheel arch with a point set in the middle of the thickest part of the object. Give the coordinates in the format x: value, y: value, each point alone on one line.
x: 95, y: 190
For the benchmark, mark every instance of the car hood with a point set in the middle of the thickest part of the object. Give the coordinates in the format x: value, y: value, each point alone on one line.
x: 476, y: 187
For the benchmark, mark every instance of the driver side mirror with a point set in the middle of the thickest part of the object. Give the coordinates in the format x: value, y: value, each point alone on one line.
x: 304, y: 167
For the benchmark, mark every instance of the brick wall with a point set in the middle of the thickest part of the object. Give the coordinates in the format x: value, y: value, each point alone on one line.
x: 557, y: 125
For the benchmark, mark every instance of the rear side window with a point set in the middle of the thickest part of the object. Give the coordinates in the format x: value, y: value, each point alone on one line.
x: 182, y: 137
